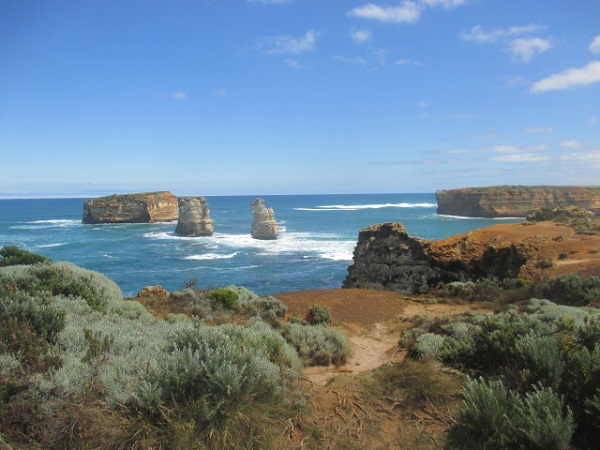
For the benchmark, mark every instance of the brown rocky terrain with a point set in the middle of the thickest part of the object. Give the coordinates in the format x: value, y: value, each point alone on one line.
x: 386, y: 257
x: 514, y: 201
x: 145, y: 207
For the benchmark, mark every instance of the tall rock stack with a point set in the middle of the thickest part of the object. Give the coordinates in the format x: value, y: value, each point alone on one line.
x: 194, y: 217
x: 264, y: 226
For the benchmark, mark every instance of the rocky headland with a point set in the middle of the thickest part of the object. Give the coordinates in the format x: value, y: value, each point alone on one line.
x: 144, y: 207
x: 194, y: 217
x: 514, y: 201
x: 386, y: 257
x: 264, y: 226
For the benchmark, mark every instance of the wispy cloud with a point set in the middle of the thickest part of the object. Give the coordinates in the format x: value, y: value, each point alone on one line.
x: 270, y: 2
x: 361, y: 36
x: 536, y: 130
x: 501, y: 149
x: 478, y: 34
x: 523, y: 48
x: 356, y: 60
x: 178, y: 95
x: 570, y: 78
x: 595, y: 45
x: 592, y: 156
x: 407, y: 62
x: 521, y: 157
x: 572, y: 144
x: 408, y: 11
x: 287, y: 44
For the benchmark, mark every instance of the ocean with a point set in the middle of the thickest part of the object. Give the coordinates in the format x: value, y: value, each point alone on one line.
x: 317, y: 236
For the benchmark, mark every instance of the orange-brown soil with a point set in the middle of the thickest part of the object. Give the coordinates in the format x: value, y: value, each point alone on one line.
x: 343, y: 414
x: 554, y: 242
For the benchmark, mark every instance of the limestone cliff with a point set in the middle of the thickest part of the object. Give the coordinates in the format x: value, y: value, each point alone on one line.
x: 194, y: 217
x: 264, y: 226
x: 514, y: 201
x: 131, y: 208
x: 386, y: 257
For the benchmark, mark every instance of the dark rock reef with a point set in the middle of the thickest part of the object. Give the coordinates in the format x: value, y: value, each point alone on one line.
x: 144, y: 207
x: 194, y: 217
x: 514, y: 201
x: 265, y: 226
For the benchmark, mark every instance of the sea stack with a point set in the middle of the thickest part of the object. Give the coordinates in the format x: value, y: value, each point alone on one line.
x: 194, y: 217
x: 264, y: 226
x: 145, y: 207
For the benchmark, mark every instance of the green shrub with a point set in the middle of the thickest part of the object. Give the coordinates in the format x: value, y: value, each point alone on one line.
x: 494, y: 417
x: 318, y: 345
x: 225, y: 298
x: 12, y: 255
x: 212, y: 372
x: 318, y: 315
x: 429, y: 345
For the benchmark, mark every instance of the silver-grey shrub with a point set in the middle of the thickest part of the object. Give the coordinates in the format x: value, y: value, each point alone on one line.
x: 214, y: 371
x: 318, y: 345
x: 494, y: 417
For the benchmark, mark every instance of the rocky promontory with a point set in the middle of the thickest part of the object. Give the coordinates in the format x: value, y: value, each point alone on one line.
x: 386, y: 257
x: 144, y: 207
x: 194, y: 217
x: 514, y: 201
x: 264, y: 226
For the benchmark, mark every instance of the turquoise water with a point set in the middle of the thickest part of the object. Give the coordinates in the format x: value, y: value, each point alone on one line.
x: 318, y: 235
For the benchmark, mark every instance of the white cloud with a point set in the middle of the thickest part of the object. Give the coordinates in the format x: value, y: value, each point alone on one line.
x: 478, y: 34
x: 445, y: 3
x: 520, y: 157
x: 270, y: 2
x: 221, y: 92
x: 406, y: 12
x: 588, y: 157
x: 534, y: 130
x: 522, y: 48
x: 290, y: 44
x: 583, y: 76
x: 361, y: 36
x: 406, y: 62
x: 571, y: 144
x: 595, y: 45
x: 525, y: 49
x: 179, y: 96
x: 350, y: 60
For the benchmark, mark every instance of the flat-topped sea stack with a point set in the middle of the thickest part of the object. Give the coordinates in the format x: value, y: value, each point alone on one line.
x: 387, y: 258
x: 146, y: 207
x: 264, y: 226
x: 514, y: 201
x: 194, y: 217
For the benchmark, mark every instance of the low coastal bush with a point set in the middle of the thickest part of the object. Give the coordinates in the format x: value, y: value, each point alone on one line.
x: 81, y: 367
x: 224, y: 298
x: 318, y: 315
x: 494, y: 417
x: 317, y: 345
x: 537, y: 364
x: 12, y: 256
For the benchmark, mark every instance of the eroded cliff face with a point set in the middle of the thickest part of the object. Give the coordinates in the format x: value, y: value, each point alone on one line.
x: 132, y: 208
x: 194, y: 217
x: 514, y: 201
x: 386, y: 257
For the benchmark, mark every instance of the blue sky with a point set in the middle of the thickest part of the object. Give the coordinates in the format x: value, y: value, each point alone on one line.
x: 231, y: 97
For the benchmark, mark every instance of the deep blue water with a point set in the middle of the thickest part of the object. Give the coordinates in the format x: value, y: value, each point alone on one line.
x: 318, y: 235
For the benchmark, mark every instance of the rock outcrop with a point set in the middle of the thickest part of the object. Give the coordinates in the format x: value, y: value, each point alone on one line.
x: 131, y: 208
x: 194, y: 217
x: 514, y: 201
x: 264, y: 226
x: 386, y: 257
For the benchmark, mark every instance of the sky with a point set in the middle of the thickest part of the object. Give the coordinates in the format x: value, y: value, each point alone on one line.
x: 247, y: 97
